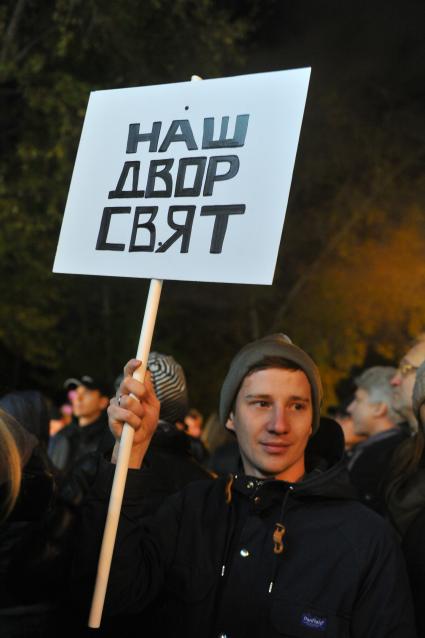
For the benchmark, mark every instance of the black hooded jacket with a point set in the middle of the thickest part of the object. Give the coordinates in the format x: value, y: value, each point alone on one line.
x: 252, y: 558
x: 73, y: 442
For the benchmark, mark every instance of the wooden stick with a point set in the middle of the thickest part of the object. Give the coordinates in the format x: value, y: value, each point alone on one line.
x: 121, y: 469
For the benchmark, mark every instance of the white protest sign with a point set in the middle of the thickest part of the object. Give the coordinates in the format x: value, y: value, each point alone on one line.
x: 186, y: 181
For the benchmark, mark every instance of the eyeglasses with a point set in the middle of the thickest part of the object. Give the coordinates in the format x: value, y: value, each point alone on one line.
x: 406, y: 368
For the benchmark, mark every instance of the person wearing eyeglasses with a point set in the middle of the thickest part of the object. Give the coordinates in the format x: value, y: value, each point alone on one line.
x: 406, y: 499
x: 404, y: 380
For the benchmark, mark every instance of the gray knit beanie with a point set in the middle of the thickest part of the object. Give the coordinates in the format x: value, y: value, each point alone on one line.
x: 419, y: 390
x: 251, y: 355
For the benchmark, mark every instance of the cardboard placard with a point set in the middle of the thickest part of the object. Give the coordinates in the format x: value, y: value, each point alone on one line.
x: 186, y: 181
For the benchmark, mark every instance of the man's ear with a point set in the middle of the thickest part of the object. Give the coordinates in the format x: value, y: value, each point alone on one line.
x: 380, y: 409
x: 230, y: 425
x: 104, y: 402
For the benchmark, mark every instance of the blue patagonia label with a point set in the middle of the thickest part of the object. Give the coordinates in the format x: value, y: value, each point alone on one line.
x: 314, y: 622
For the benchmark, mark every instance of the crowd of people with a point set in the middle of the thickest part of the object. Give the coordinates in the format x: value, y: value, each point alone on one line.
x: 269, y: 519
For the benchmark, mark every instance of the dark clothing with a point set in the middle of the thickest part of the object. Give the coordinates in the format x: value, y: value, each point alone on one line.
x: 414, y: 552
x: 74, y: 442
x: 369, y: 467
x: 36, y: 540
x: 198, y: 450
x: 225, y: 459
x: 406, y: 507
x: 406, y: 499
x: 207, y: 558
x: 33, y: 505
x: 36, y: 547
x: 171, y: 466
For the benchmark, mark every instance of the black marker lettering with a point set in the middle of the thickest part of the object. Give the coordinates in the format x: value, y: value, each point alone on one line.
x: 195, y: 190
x: 186, y: 135
x: 212, y: 177
x: 238, y: 139
x: 102, y: 243
x: 119, y: 192
x: 134, y: 137
x: 182, y: 230
x: 220, y: 224
x: 163, y: 174
x: 150, y: 227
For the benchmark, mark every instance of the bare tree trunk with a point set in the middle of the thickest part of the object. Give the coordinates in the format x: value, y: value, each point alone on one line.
x: 11, y: 30
x: 106, y: 312
x: 255, y: 321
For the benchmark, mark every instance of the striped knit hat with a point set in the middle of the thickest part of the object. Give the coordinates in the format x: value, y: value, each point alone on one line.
x: 170, y: 387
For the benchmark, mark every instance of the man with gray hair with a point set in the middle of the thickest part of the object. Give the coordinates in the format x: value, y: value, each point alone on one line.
x: 404, y: 379
x: 374, y: 416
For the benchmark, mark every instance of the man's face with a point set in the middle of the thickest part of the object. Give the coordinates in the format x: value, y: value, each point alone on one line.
x: 351, y: 438
x: 272, y: 421
x: 88, y: 404
x: 404, y: 380
x: 194, y: 426
x: 362, y: 412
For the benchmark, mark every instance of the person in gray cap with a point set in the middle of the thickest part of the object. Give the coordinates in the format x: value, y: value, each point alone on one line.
x: 280, y: 549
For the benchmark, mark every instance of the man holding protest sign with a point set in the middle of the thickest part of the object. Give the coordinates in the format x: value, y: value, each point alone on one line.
x: 282, y: 549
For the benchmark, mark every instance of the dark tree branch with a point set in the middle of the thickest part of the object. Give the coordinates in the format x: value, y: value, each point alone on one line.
x: 333, y: 243
x: 11, y: 30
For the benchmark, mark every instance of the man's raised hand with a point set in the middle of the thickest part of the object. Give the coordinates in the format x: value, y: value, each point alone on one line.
x: 135, y: 404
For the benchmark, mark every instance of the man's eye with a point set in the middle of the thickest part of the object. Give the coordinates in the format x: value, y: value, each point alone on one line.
x: 261, y: 404
x: 299, y: 406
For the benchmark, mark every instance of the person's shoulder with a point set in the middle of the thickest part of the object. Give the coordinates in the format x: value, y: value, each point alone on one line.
x: 65, y: 433
x: 355, y: 510
x: 208, y: 487
x: 392, y: 439
x: 60, y: 443
x: 362, y: 526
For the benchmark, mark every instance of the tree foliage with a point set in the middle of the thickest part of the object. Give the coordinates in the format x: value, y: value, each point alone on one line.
x: 53, y: 54
x: 349, y: 271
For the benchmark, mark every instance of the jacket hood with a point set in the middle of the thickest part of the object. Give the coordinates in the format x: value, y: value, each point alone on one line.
x: 29, y: 408
x: 25, y: 442
x: 326, y: 473
x: 167, y: 436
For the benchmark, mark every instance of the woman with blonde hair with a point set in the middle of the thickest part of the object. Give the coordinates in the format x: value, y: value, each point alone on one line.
x: 37, y: 521
x: 10, y: 469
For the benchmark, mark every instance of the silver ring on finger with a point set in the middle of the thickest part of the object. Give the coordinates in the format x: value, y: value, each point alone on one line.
x: 119, y: 400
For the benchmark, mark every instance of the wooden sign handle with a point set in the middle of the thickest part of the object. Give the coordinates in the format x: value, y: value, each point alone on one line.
x: 121, y: 468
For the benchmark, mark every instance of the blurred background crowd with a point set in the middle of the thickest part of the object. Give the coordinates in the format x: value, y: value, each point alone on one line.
x: 49, y: 456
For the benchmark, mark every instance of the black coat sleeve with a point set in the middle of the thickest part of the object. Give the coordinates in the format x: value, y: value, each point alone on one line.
x: 144, y: 547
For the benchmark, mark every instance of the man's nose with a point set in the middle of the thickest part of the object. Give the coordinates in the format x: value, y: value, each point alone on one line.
x: 350, y: 407
x: 279, y: 422
x: 396, y: 380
